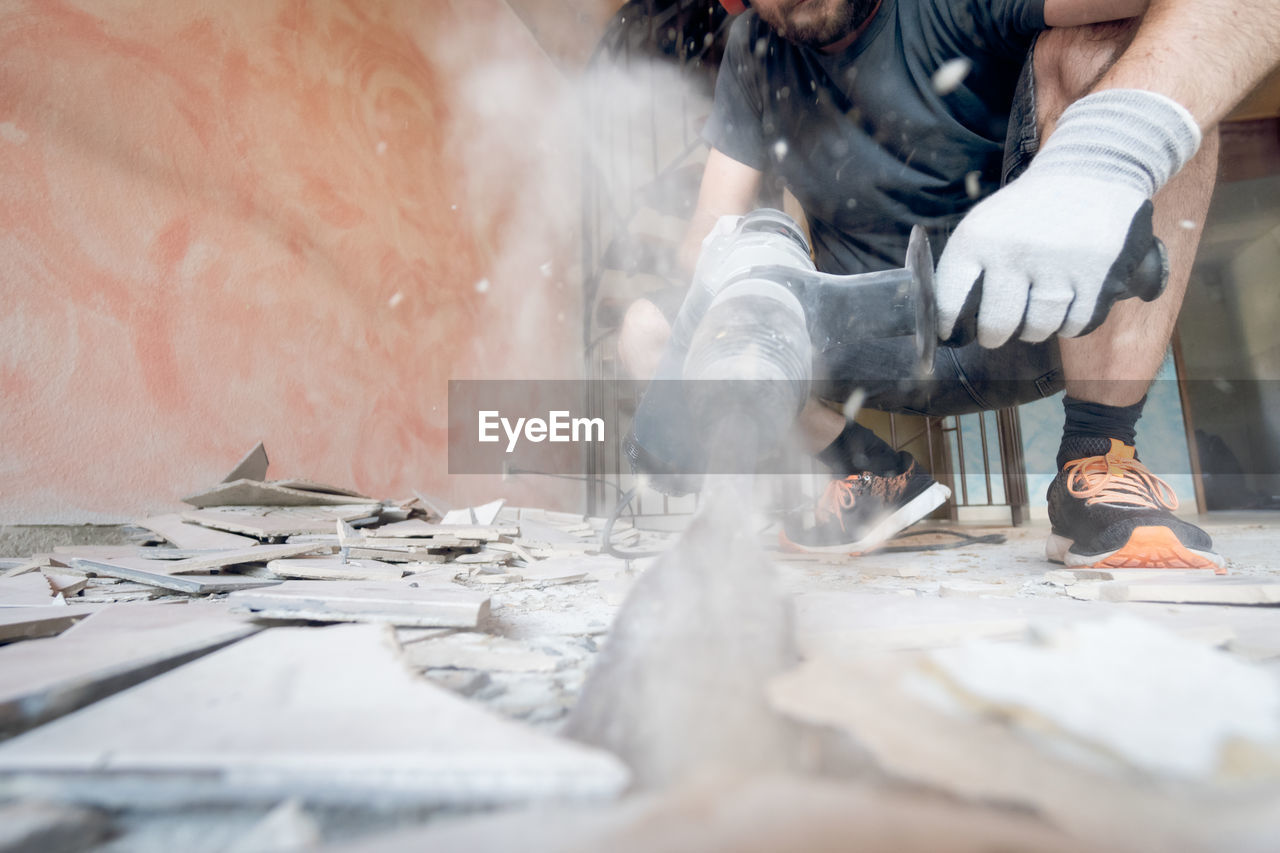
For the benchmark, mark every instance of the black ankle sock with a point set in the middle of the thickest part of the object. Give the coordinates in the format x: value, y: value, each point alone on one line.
x: 857, y: 449
x: 1087, y: 422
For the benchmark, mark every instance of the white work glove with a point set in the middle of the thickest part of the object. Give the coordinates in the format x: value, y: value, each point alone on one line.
x: 1035, y: 257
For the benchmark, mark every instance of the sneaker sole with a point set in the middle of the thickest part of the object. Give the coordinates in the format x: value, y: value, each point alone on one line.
x: 1151, y: 547
x: 905, y: 516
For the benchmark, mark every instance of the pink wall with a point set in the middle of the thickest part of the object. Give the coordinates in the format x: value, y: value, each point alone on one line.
x: 224, y: 222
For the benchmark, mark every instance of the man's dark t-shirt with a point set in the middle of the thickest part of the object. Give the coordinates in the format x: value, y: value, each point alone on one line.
x: 861, y: 138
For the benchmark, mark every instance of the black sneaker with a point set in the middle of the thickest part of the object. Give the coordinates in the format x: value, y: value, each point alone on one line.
x: 1109, y: 512
x: 863, y: 511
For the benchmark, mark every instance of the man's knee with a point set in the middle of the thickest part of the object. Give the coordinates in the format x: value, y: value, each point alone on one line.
x: 1070, y: 61
x: 642, y: 338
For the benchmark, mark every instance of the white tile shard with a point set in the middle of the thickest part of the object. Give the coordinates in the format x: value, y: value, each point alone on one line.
x: 115, y: 647
x: 482, y: 514
x: 335, y: 568
x: 186, y: 534
x: 145, y: 572
x: 395, y: 603
x: 29, y: 590
x: 1164, y: 703
x: 1200, y: 590
x: 19, y: 623
x: 287, y: 713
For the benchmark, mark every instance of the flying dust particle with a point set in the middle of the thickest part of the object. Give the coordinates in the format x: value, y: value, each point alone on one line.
x: 973, y: 186
x: 396, y: 299
x: 854, y: 403
x: 482, y: 286
x: 950, y: 75
x: 780, y: 149
x: 1187, y: 224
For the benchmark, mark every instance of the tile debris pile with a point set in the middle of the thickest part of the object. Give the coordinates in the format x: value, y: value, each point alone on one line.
x: 369, y: 675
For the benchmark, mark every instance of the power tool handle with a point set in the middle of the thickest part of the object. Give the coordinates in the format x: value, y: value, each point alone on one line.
x: 1147, y: 281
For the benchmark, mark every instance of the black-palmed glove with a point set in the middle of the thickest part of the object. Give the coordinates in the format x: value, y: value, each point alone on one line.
x: 1035, y: 256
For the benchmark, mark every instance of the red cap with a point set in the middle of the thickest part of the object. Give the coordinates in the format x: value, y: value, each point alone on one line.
x: 734, y: 7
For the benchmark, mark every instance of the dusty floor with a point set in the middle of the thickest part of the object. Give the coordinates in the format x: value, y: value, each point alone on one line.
x: 974, y: 698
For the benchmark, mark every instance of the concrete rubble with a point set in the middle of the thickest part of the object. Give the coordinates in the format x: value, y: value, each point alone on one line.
x: 372, y: 675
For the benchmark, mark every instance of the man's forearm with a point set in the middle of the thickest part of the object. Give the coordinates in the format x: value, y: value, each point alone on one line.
x: 1204, y: 54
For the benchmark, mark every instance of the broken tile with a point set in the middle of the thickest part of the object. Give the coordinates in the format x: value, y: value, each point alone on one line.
x: 366, y: 601
x: 270, y: 522
x: 108, y: 590
x: 257, y: 493
x: 1131, y: 688
x: 413, y: 527
x: 483, y: 514
x: 252, y: 467
x: 21, y: 623
x: 187, y: 534
x: 200, y: 562
x: 65, y: 585
x: 29, y: 590
x: 484, y: 555
x: 1208, y: 589
x: 496, y: 578
x: 425, y: 574
x: 22, y: 567
x: 300, y: 726
x: 470, y: 650
x: 888, y: 718
x: 1085, y: 591
x: 143, y: 572
x: 1066, y: 577
x: 435, y: 508
x: 114, y: 648
x: 396, y: 555
x: 545, y: 551
x: 975, y: 589
x: 417, y: 529
x: 335, y: 568
x: 305, y: 485
x: 405, y: 636
x: 32, y: 825
x: 512, y: 548
x: 65, y: 553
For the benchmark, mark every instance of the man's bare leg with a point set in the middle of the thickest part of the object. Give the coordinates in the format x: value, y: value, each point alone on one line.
x: 1115, y: 364
x: 1106, y: 509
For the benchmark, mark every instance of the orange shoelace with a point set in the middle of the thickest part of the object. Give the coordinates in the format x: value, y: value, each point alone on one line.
x: 1118, y: 478
x: 839, y: 495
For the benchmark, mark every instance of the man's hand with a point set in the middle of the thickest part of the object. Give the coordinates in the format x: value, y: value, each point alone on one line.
x: 1034, y: 258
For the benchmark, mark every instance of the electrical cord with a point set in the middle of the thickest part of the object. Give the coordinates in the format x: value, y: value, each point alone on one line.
x: 962, y: 539
x: 606, y: 535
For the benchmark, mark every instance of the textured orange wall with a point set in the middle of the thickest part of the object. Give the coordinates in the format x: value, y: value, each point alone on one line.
x: 230, y: 220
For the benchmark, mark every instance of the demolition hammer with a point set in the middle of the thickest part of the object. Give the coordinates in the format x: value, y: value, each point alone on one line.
x: 739, y: 361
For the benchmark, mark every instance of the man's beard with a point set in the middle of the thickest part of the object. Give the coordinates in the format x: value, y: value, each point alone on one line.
x: 819, y: 23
